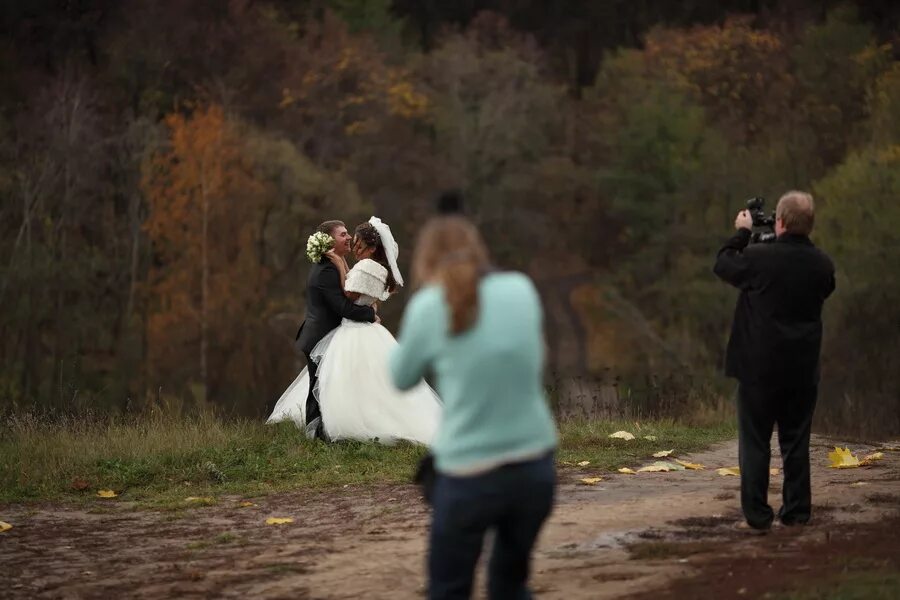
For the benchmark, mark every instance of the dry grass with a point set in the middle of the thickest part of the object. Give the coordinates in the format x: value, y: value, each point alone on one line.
x: 156, y: 456
x: 158, y: 459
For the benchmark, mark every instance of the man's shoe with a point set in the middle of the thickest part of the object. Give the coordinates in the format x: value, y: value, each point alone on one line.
x: 745, y: 527
x: 791, y: 523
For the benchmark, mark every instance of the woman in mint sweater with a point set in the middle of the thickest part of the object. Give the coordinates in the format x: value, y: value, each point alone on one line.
x: 480, y: 332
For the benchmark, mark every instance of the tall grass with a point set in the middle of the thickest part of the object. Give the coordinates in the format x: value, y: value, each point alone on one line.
x: 158, y: 458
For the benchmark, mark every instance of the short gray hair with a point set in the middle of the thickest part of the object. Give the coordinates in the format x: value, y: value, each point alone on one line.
x: 797, y: 212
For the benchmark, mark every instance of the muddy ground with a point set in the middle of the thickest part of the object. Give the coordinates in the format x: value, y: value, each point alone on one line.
x: 647, y: 535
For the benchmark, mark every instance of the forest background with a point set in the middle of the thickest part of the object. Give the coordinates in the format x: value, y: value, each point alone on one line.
x: 163, y: 161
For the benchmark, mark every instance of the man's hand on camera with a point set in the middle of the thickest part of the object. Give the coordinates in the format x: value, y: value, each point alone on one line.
x: 743, y: 220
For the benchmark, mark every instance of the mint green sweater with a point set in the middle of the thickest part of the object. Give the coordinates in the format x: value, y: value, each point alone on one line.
x: 489, y: 377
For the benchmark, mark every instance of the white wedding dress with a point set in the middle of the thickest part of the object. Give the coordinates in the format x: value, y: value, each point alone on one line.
x: 358, y: 400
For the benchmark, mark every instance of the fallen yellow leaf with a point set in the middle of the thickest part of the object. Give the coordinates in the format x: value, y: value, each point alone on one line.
x: 774, y: 471
x: 106, y: 494
x: 650, y: 438
x: 622, y: 435
x: 858, y: 484
x: 690, y: 465
x: 279, y: 520
x: 732, y: 471
x: 660, y: 467
x: 652, y: 469
x: 584, y: 463
x: 663, y: 453
x: 627, y: 471
x: 591, y: 480
x: 203, y: 499
x: 4, y: 526
x: 246, y: 504
x: 842, y: 459
x: 869, y: 459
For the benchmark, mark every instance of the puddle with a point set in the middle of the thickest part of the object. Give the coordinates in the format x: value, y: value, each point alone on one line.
x: 608, y: 540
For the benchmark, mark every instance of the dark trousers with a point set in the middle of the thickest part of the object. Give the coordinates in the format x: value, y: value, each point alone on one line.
x: 514, y: 501
x: 312, y: 405
x: 760, y: 408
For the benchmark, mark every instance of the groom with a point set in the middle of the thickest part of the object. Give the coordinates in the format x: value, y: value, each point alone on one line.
x: 326, y: 306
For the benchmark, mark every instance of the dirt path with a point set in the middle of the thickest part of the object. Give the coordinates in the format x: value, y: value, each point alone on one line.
x: 626, y: 535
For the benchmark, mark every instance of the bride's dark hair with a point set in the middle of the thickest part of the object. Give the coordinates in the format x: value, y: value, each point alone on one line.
x: 367, y: 233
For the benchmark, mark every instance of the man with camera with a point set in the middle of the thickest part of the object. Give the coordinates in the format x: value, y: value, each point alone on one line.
x: 774, y: 349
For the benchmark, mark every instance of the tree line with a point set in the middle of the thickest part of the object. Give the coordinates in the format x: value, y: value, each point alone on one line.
x: 163, y: 163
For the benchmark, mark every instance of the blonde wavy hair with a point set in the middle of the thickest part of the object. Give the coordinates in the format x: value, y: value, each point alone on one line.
x: 451, y: 253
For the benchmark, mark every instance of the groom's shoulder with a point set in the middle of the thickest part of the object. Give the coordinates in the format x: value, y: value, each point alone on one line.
x: 323, y: 265
x: 321, y: 269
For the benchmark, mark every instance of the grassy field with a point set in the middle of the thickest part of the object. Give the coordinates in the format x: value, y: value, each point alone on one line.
x: 866, y: 585
x: 158, y: 460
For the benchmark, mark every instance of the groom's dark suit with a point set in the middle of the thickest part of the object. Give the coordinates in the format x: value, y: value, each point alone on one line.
x: 326, y: 306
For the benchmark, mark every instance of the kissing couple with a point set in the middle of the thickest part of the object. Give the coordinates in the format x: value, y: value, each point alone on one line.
x: 345, y: 391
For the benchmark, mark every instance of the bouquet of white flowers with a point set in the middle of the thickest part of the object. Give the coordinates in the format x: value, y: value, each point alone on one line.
x: 317, y: 245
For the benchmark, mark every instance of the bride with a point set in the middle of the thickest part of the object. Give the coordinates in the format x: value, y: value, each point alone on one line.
x: 357, y: 398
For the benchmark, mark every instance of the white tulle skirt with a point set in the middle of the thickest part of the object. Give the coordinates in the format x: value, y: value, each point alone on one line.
x: 356, y: 396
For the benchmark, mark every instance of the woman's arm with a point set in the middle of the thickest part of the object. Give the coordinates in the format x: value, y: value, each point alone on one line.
x: 341, y: 265
x: 343, y: 269
x: 733, y: 263
x: 328, y: 283
x: 422, y: 332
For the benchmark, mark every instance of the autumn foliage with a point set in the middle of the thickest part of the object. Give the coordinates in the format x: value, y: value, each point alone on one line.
x: 206, y: 210
x: 164, y: 161
x: 739, y: 73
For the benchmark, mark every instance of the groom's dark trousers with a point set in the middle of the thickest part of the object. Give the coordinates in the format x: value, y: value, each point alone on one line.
x: 773, y: 352
x: 326, y: 306
x: 312, y: 405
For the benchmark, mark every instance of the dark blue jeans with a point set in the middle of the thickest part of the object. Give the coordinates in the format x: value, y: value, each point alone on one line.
x: 514, y: 501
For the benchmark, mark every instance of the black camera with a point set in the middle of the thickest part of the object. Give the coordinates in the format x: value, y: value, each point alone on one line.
x: 763, y: 226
